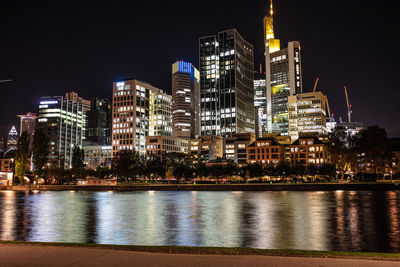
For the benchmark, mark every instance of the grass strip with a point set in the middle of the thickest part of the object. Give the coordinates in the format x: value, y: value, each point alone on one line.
x: 221, y: 250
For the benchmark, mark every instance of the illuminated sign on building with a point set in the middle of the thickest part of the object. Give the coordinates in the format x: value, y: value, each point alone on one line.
x: 48, y: 102
x: 184, y: 67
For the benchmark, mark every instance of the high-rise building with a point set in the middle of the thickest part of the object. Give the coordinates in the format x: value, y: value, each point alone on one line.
x: 28, y: 124
x: 226, y: 84
x: 138, y: 110
x: 283, y: 77
x: 160, y: 113
x: 12, y: 140
x: 99, y: 122
x: 307, y: 115
x: 64, y: 119
x: 185, y: 100
x: 260, y: 104
x: 72, y: 96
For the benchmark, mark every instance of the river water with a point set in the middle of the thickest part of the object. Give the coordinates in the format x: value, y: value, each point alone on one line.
x: 337, y: 220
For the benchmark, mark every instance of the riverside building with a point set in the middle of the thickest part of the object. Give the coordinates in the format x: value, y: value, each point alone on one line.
x: 283, y: 77
x: 138, y: 109
x: 160, y: 146
x: 307, y: 115
x: 185, y: 100
x: 64, y: 119
x: 226, y: 84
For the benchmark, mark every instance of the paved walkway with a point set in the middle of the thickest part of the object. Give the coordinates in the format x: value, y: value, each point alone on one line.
x: 25, y: 255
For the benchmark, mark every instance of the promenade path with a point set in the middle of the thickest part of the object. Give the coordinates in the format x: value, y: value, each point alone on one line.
x: 36, y: 255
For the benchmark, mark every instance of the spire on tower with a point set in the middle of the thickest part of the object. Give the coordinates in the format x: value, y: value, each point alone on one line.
x: 271, y: 9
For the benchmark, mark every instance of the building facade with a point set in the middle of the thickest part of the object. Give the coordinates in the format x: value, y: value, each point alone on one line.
x: 206, y: 148
x: 226, y: 84
x: 307, y: 114
x: 134, y: 107
x: 99, y: 122
x: 6, y: 165
x: 235, y: 147
x: 159, y: 146
x: 96, y: 156
x: 307, y: 151
x: 185, y: 100
x: 260, y: 104
x: 64, y: 119
x: 160, y: 113
x: 266, y: 151
x: 12, y: 140
x: 28, y: 124
x: 283, y: 77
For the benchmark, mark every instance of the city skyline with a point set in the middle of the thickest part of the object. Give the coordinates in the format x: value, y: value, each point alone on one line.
x: 337, y: 58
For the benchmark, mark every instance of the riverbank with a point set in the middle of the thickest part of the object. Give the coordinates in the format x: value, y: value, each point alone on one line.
x: 66, y: 254
x: 215, y: 187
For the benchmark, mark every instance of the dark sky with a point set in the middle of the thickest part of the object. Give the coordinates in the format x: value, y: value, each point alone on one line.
x: 49, y: 47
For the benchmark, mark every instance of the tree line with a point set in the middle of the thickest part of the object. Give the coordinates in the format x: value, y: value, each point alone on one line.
x: 364, y: 156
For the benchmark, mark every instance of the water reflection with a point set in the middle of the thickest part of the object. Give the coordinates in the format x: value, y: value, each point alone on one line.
x: 340, y: 220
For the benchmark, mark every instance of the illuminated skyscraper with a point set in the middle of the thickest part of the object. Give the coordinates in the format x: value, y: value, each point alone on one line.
x: 283, y: 77
x: 64, y: 119
x: 260, y: 104
x: 226, y: 84
x: 139, y: 110
x: 185, y: 100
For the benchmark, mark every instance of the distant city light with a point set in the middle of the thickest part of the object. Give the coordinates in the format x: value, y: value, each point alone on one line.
x: 48, y: 102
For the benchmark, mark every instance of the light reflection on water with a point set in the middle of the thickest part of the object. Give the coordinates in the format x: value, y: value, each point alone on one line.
x: 339, y: 220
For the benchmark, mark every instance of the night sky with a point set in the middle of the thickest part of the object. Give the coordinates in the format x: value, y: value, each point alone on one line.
x: 50, y: 47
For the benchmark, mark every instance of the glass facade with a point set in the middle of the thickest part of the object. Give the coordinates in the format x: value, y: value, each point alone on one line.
x: 226, y: 84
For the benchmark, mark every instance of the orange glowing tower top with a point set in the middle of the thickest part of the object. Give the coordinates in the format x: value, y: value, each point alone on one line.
x: 270, y: 42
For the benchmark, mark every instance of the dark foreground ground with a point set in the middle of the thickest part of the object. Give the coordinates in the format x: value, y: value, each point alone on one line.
x: 39, y: 254
x: 217, y: 187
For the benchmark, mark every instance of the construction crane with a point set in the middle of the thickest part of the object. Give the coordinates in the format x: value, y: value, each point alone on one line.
x: 329, y: 108
x: 315, y: 85
x: 348, y: 104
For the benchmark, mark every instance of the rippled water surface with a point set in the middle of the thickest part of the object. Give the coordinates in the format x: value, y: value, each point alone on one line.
x: 339, y: 220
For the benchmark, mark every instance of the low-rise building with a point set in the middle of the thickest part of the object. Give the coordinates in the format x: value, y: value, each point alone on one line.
x: 307, y: 151
x: 6, y: 165
x: 265, y: 150
x: 206, y: 148
x: 156, y: 146
x: 235, y: 147
x: 96, y: 155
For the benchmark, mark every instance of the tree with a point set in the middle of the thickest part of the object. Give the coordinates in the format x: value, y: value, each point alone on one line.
x: 375, y: 148
x: 126, y: 165
x: 342, y: 150
x: 22, y: 156
x: 78, y: 155
x: 40, y: 151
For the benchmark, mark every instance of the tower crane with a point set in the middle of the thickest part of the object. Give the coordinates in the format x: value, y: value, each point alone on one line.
x: 329, y: 109
x: 315, y: 85
x: 348, y: 104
